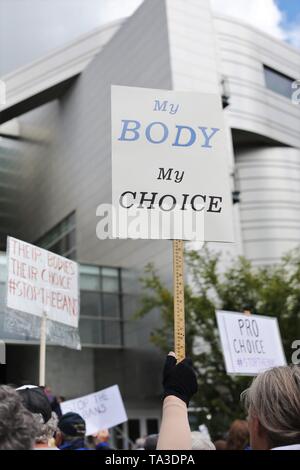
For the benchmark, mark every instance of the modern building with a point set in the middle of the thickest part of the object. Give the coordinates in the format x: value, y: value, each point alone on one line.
x: 55, y: 169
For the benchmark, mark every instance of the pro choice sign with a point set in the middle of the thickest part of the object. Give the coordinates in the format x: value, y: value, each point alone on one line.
x: 250, y: 343
x: 170, y: 168
x: 40, y: 282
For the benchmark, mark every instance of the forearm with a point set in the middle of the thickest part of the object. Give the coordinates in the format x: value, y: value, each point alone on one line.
x: 175, y: 433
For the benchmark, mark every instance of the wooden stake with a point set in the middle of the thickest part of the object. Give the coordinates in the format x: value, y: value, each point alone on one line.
x: 42, y: 371
x: 178, y: 280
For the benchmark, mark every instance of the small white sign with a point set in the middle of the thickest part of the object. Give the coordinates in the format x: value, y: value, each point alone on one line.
x: 250, y: 343
x: 170, y: 166
x: 41, y: 282
x: 100, y: 410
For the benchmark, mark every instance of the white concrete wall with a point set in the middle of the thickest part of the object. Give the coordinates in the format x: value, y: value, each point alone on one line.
x: 269, y: 180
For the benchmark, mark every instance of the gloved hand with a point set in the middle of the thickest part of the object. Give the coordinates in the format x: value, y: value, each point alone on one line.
x: 179, y: 379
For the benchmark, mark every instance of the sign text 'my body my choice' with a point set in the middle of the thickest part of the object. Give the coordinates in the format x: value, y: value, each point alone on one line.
x: 178, y: 136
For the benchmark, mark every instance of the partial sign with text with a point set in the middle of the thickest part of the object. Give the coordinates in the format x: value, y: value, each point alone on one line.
x: 100, y: 410
x: 40, y: 282
x: 250, y: 343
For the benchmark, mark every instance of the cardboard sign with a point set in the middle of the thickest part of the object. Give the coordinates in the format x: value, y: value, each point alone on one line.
x: 250, y: 343
x: 170, y: 175
x: 100, y: 410
x: 42, y: 282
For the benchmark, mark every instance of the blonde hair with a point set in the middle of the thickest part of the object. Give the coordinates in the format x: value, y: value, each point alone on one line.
x: 274, y: 398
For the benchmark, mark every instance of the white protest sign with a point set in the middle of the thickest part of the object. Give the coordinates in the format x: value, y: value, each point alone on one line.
x: 250, y: 343
x: 40, y: 282
x: 100, y: 410
x: 170, y: 175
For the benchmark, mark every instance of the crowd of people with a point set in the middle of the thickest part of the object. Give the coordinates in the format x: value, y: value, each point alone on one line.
x: 30, y: 416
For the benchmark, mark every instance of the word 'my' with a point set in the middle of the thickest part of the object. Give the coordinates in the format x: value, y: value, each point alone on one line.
x: 166, y: 106
x: 168, y: 175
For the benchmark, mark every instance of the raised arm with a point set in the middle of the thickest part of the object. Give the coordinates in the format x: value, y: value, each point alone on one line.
x: 180, y: 384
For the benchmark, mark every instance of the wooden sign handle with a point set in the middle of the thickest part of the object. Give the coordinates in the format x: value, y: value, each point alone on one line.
x: 178, y: 280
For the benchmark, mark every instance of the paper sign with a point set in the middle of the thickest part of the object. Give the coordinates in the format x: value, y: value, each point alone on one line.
x: 250, y: 343
x: 42, y: 282
x: 100, y: 410
x: 170, y: 175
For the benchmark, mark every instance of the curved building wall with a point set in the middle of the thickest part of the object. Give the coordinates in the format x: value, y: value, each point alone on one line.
x: 269, y: 181
x: 243, y: 52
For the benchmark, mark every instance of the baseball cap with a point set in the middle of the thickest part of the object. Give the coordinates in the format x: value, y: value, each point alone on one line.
x: 72, y: 424
x: 35, y: 400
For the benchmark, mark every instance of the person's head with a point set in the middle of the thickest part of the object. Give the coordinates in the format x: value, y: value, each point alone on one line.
x: 238, y: 436
x: 46, y: 431
x: 35, y: 400
x: 220, y: 444
x: 71, y: 427
x: 273, y: 404
x: 139, y: 443
x: 151, y: 442
x: 199, y: 442
x: 17, y: 426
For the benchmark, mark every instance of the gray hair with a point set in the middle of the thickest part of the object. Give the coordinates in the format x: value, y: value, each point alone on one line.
x: 274, y: 398
x: 17, y: 426
x: 45, y: 430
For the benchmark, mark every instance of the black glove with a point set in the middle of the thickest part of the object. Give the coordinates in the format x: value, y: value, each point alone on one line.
x: 179, y: 379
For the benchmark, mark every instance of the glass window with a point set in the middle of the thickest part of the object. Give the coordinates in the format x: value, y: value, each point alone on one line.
x: 90, y: 304
x: 89, y: 269
x: 152, y: 426
x: 110, y: 280
x: 134, y: 429
x: 89, y: 278
x: 111, y: 306
x: 89, y: 282
x: 90, y: 331
x: 130, y: 281
x: 112, y: 332
x: 61, y: 239
x: 100, y: 300
x: 278, y: 82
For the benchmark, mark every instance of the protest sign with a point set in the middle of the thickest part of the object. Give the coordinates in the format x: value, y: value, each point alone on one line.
x: 170, y: 175
x: 250, y: 343
x: 100, y: 410
x: 169, y: 166
x: 40, y: 282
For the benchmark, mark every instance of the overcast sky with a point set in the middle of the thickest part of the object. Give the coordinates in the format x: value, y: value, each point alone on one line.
x: 31, y: 28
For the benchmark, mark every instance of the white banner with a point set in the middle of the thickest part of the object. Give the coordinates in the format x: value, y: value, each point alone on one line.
x: 250, y: 343
x: 170, y: 170
x: 42, y: 282
x: 100, y: 410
